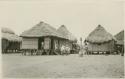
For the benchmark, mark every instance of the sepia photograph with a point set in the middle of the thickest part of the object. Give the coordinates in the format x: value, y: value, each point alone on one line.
x: 62, y: 39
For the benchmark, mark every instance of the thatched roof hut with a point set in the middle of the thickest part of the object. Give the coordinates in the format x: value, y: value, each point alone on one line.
x: 40, y: 30
x: 120, y: 37
x: 71, y: 39
x: 9, y: 35
x: 41, y: 36
x: 99, y: 35
x: 44, y: 37
x: 65, y: 33
x: 100, y: 40
x: 10, y: 41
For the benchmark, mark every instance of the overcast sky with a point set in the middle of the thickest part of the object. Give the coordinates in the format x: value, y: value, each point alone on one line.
x: 80, y: 16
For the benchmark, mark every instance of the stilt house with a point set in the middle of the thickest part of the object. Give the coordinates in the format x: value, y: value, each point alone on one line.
x: 42, y: 37
x: 100, y: 41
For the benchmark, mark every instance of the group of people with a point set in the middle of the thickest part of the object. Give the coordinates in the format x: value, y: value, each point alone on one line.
x: 83, y: 50
x: 65, y: 50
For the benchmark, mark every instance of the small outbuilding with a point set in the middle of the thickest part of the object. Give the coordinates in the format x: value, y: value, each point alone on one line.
x: 100, y: 41
x: 10, y: 41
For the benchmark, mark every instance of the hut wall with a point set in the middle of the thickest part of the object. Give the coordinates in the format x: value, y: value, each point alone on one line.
x: 101, y: 47
x: 65, y: 43
x: 47, y: 43
x: 56, y: 44
x: 61, y: 43
x: 5, y: 44
x: 14, y: 45
x: 69, y: 44
x: 29, y: 43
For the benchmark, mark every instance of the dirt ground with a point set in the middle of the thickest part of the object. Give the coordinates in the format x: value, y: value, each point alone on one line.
x: 71, y: 66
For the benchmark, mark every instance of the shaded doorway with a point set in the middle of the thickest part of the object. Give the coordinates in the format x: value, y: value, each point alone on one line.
x: 52, y: 44
x: 41, y: 43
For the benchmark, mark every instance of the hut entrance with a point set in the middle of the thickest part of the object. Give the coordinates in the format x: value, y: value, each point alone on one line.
x: 40, y: 43
x: 52, y: 43
x: 53, y: 52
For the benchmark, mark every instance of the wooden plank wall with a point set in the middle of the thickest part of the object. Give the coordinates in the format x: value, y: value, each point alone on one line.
x: 29, y: 43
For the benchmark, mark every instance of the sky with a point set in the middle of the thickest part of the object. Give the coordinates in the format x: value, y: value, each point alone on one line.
x: 79, y: 16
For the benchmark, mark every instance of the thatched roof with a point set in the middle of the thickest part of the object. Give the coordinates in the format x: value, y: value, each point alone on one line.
x: 99, y: 35
x: 120, y: 37
x: 40, y: 30
x: 7, y: 30
x: 10, y: 35
x: 65, y: 33
x: 72, y: 37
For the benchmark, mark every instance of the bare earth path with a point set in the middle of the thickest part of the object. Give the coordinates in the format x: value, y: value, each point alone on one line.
x: 72, y: 66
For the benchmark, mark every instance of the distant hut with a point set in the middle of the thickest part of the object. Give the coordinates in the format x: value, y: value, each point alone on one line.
x: 42, y: 38
x: 100, y: 41
x: 71, y: 39
x: 120, y: 41
x: 10, y: 41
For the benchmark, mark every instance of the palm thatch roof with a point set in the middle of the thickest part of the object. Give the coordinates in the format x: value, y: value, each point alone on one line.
x: 120, y: 37
x: 7, y: 30
x: 40, y: 30
x: 99, y: 35
x: 72, y: 37
x: 65, y: 33
x: 9, y: 35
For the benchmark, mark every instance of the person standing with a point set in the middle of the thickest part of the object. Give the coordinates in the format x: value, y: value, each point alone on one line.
x: 81, y: 49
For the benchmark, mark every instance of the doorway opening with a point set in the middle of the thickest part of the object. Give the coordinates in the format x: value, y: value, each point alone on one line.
x: 41, y: 43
